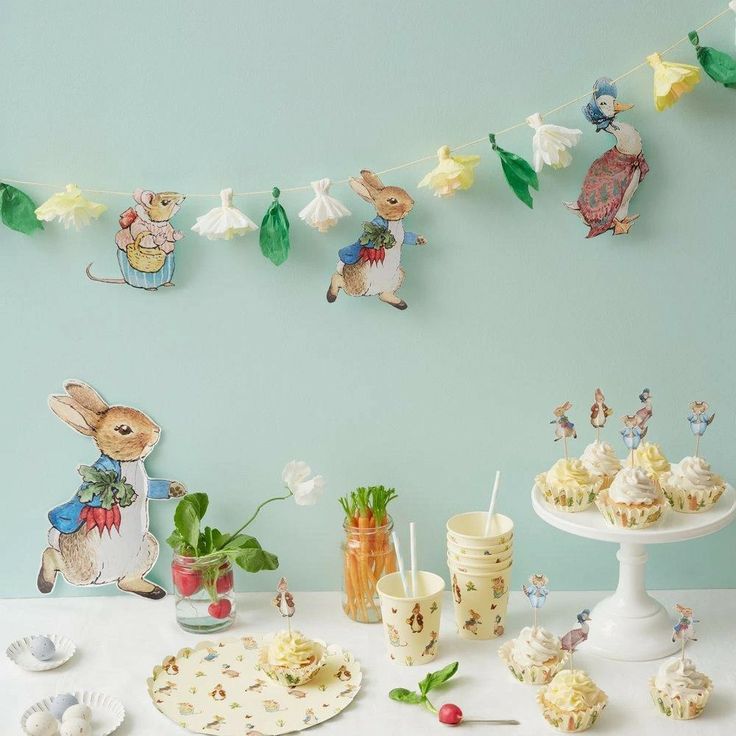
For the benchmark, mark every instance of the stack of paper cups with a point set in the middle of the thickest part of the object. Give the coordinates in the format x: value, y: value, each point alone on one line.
x: 480, y: 572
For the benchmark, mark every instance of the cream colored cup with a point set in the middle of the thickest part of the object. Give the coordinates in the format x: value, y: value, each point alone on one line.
x: 487, y: 551
x: 479, y: 560
x: 469, y: 567
x: 468, y: 530
x: 480, y: 602
x: 411, y: 624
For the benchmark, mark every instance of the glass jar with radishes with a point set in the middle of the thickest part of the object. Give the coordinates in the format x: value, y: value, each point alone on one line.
x: 205, y: 594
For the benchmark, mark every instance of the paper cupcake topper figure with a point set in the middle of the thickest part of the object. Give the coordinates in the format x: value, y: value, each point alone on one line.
x: 632, y: 433
x: 645, y: 413
x: 284, y: 600
x: 100, y: 536
x: 564, y: 428
x: 537, y: 592
x: 324, y: 210
x: 575, y: 637
x: 371, y: 266
x: 146, y: 241
x: 599, y: 412
x: 699, y: 421
x: 684, y: 630
x: 612, y: 179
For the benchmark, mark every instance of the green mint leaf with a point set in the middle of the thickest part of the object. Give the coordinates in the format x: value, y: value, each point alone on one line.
x: 402, y: 695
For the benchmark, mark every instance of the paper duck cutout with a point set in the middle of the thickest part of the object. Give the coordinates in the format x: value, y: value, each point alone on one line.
x: 613, y: 178
x: 100, y: 536
x: 684, y: 629
x: 537, y: 590
x: 146, y: 241
x: 645, y: 413
x: 575, y: 637
x: 371, y: 266
x: 599, y: 411
x: 564, y: 427
x: 698, y: 418
x: 284, y: 600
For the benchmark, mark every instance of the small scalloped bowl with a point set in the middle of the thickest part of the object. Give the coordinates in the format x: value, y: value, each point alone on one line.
x: 293, y: 675
x: 19, y: 652
x: 107, y: 712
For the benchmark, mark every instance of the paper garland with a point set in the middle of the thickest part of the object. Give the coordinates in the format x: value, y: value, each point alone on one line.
x: 550, y: 143
x: 17, y: 210
x: 451, y: 173
x: 274, y: 236
x: 224, y: 222
x: 671, y: 80
x: 70, y: 207
x: 719, y: 66
x: 518, y: 172
x: 323, y: 211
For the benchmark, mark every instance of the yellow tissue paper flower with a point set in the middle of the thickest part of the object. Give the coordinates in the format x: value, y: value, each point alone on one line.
x: 451, y: 173
x: 70, y: 207
x: 671, y: 80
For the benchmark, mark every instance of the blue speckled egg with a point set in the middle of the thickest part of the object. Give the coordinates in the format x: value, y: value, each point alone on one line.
x: 42, y: 648
x: 60, y: 703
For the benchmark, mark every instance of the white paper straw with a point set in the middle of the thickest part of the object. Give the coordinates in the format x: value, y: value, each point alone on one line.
x: 413, y: 557
x: 400, y: 562
x: 494, y: 493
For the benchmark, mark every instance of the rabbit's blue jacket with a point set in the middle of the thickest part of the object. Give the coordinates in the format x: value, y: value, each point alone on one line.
x: 66, y: 519
x: 351, y: 253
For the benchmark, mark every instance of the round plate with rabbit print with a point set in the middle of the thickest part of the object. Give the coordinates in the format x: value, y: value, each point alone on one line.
x: 107, y: 713
x: 218, y: 688
x: 19, y: 652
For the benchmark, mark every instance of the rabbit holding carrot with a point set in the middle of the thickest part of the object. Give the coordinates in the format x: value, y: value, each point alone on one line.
x: 371, y: 266
x: 101, y: 536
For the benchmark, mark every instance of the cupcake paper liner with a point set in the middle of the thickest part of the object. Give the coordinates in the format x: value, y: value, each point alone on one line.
x: 629, y: 516
x: 293, y: 675
x: 571, y: 500
x: 537, y: 674
x: 678, y: 708
x: 579, y: 720
x: 690, y: 502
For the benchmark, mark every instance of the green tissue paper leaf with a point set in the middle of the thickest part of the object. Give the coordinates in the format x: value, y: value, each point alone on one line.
x: 402, y: 695
x: 274, y: 235
x: 519, y: 173
x: 18, y: 210
x: 718, y: 65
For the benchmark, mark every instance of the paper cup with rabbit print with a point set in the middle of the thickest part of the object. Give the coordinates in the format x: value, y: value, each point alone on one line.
x: 411, y: 624
x: 480, y: 602
x: 469, y: 530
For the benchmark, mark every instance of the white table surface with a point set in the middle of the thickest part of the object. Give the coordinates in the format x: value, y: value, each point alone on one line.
x: 120, y: 639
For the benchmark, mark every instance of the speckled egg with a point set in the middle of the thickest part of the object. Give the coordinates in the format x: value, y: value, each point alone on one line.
x: 60, y: 703
x: 79, y: 711
x: 75, y: 727
x: 42, y: 648
x: 41, y: 723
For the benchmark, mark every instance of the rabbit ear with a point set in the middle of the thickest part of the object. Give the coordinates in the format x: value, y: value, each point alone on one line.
x: 372, y: 180
x: 73, y: 414
x: 86, y: 396
x: 361, y: 190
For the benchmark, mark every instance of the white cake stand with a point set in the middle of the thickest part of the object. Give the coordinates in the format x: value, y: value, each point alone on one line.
x: 630, y: 625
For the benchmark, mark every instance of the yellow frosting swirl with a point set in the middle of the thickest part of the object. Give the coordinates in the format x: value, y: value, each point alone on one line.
x: 290, y: 649
x: 573, y: 690
x: 650, y: 457
x: 570, y: 473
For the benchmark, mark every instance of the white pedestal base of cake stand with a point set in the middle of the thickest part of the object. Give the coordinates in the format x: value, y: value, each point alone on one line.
x: 630, y: 624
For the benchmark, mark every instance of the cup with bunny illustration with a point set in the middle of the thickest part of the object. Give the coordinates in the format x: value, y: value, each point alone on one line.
x: 411, y: 623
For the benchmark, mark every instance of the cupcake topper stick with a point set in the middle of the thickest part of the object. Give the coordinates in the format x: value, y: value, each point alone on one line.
x: 494, y: 494
x: 684, y: 629
x: 564, y: 427
x: 537, y: 592
x: 599, y: 412
x: 699, y: 421
x: 284, y: 601
x: 575, y: 637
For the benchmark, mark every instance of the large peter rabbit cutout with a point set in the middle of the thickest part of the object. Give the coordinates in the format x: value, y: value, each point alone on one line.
x: 101, y: 536
x: 371, y: 266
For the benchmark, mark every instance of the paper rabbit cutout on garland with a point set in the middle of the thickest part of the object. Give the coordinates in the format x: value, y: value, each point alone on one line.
x: 371, y: 266
x: 146, y: 241
x: 101, y: 536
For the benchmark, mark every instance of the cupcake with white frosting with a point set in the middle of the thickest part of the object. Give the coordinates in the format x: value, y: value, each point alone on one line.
x: 679, y: 690
x: 572, y: 701
x: 600, y: 460
x: 633, y: 501
x: 649, y: 456
x: 535, y: 656
x: 568, y: 485
x: 690, y: 485
x: 291, y: 659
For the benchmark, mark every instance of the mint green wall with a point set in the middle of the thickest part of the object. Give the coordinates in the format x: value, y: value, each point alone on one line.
x: 246, y: 366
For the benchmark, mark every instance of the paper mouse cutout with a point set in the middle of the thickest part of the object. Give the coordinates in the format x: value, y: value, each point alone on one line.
x: 146, y: 241
x: 100, y: 536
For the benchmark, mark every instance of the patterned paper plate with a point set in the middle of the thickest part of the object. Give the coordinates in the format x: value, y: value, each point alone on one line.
x: 19, y: 652
x: 217, y: 688
x: 107, y: 713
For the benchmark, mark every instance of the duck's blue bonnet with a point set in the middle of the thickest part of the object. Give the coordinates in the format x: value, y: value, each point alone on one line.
x: 593, y: 113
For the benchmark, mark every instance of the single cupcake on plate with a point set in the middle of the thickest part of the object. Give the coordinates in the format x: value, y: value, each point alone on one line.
x: 568, y: 485
x: 633, y: 501
x: 600, y: 460
x: 690, y: 486
x: 291, y: 659
x: 679, y: 690
x: 572, y: 701
x: 650, y: 457
x: 535, y: 656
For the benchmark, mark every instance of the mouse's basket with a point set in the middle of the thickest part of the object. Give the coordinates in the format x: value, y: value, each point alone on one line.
x: 147, y: 260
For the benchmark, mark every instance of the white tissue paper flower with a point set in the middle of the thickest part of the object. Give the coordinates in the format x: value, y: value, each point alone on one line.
x: 551, y: 143
x: 70, y: 207
x: 323, y: 211
x: 306, y: 490
x: 224, y: 222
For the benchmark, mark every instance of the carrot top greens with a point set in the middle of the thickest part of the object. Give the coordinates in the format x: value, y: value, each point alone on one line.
x: 370, y: 502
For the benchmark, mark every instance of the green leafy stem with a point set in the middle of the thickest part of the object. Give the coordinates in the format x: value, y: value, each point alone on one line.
x: 430, y: 682
x: 105, y: 484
